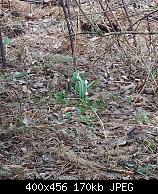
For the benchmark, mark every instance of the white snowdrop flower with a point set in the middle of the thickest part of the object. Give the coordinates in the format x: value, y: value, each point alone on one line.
x: 86, y: 93
x: 78, y: 76
x: 86, y: 82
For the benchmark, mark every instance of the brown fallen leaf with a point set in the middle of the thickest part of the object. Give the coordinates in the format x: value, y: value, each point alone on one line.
x: 68, y: 109
x: 139, y: 101
x: 140, y: 84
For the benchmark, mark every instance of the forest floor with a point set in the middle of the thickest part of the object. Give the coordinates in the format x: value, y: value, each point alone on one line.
x: 46, y: 131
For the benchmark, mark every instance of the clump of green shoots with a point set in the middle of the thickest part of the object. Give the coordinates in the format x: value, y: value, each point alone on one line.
x: 79, y: 85
x: 150, y: 145
x: 142, y: 118
x: 60, y: 96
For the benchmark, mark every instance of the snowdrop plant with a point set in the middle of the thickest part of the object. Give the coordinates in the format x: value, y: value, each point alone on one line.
x: 79, y: 85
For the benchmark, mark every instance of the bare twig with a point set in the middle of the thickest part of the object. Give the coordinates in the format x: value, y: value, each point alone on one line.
x: 147, y: 15
x: 66, y: 11
x: 101, y: 122
x: 119, y: 33
x: 2, y: 53
x: 130, y: 23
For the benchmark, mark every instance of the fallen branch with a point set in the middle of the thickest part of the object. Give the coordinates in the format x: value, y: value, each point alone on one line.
x: 117, y: 33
